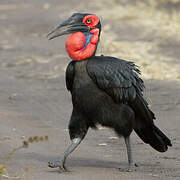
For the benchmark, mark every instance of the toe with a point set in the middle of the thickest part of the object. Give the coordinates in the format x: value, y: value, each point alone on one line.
x: 126, y: 169
x: 130, y: 168
x: 58, y: 164
x: 53, y: 164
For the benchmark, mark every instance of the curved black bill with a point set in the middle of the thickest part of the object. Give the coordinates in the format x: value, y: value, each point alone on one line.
x: 67, y: 27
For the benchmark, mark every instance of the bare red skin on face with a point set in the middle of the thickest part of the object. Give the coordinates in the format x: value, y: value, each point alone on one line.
x: 93, y: 21
x: 75, y: 44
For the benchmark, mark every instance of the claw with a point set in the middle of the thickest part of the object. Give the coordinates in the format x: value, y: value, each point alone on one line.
x: 130, y: 168
x: 56, y: 164
x: 60, y: 163
x: 52, y: 164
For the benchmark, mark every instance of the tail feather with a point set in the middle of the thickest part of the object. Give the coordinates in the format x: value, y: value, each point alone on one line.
x: 155, y: 137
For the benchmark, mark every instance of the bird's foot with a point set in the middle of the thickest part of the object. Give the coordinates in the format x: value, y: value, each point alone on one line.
x: 130, y: 168
x: 58, y: 164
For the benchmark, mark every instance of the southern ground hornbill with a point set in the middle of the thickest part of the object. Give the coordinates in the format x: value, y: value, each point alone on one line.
x: 105, y: 90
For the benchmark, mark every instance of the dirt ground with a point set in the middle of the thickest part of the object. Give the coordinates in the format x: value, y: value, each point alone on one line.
x: 35, y: 102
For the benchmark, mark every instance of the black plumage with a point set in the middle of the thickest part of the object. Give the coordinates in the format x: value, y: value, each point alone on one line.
x: 106, y: 91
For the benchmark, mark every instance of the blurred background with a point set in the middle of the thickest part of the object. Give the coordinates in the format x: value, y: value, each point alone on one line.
x: 145, y: 31
x: 33, y: 98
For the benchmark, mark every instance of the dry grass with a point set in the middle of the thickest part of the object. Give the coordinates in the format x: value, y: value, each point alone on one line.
x: 25, y: 144
x: 152, y: 21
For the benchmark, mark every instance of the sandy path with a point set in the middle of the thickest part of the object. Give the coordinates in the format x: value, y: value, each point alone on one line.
x: 34, y: 101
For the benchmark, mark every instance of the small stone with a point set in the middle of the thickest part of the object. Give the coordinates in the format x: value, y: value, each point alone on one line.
x: 102, y: 144
x: 14, y: 129
x: 113, y: 137
x: 46, y: 6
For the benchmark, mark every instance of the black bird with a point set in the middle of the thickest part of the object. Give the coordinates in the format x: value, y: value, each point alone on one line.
x: 105, y: 90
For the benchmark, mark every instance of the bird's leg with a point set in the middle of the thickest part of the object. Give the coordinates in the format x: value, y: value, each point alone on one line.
x: 131, y: 164
x: 61, y: 161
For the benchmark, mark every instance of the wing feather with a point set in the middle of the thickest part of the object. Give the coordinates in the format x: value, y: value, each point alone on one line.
x: 118, y: 78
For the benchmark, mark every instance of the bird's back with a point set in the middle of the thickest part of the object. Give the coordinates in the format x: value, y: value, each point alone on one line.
x: 95, y: 104
x: 108, y: 91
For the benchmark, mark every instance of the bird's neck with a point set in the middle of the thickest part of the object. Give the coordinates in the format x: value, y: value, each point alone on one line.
x: 80, y: 46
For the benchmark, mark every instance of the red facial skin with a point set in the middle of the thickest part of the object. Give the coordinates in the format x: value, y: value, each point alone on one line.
x: 75, y: 44
x: 93, y: 21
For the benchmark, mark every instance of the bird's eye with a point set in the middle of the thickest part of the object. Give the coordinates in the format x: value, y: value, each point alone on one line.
x: 88, y: 21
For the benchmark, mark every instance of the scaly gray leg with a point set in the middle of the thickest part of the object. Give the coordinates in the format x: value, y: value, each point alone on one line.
x: 61, y: 161
x: 131, y: 165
